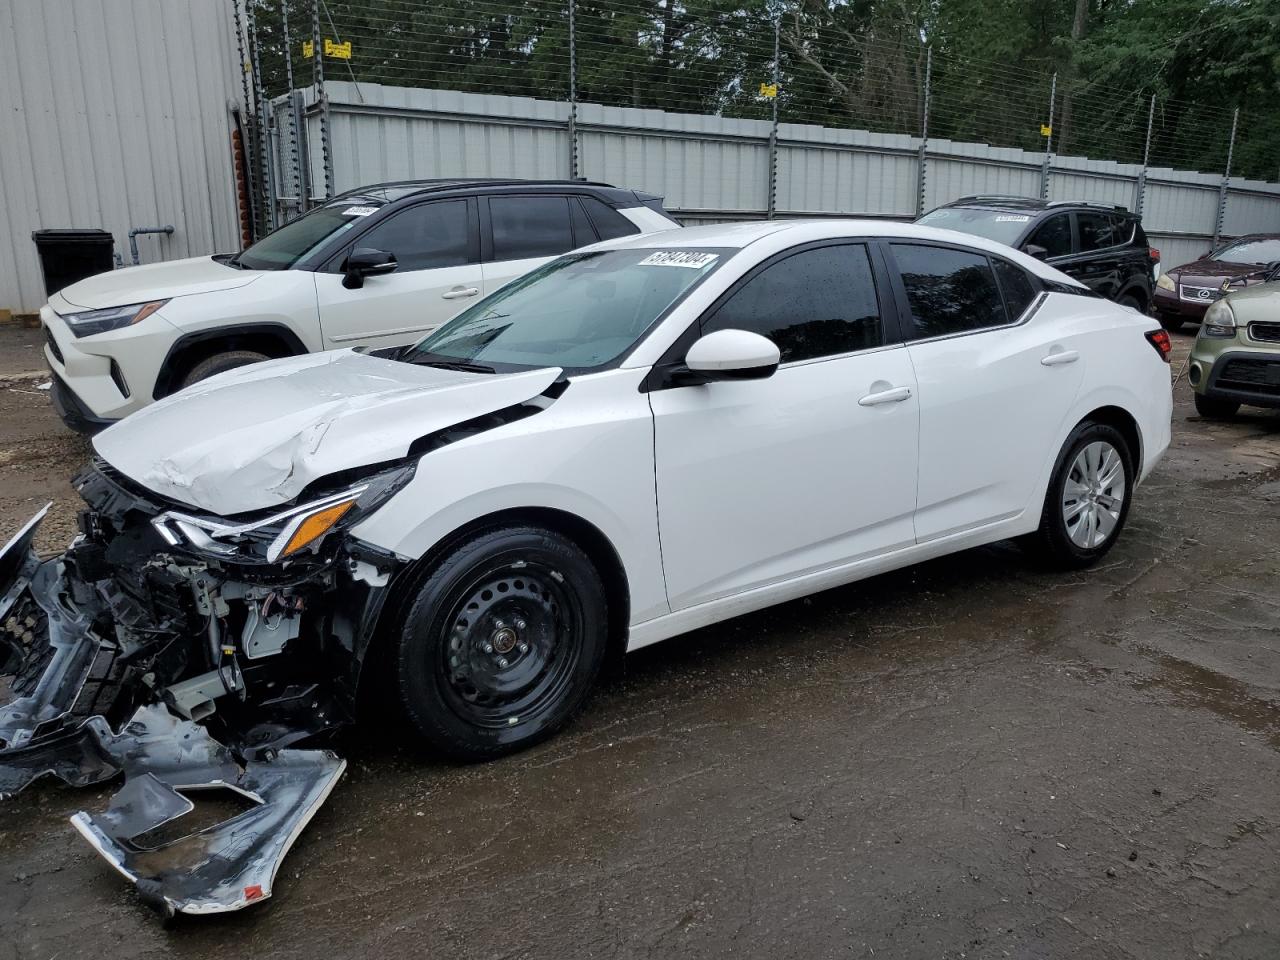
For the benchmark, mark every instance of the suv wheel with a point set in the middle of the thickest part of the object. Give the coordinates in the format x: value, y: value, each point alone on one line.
x: 220, y: 363
x: 1087, y: 502
x: 1131, y: 302
x: 1216, y: 408
x: 499, y: 643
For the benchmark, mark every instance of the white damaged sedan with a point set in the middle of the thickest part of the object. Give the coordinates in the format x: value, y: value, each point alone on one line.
x: 637, y: 439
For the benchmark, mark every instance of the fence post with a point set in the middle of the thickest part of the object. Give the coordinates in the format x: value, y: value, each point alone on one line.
x: 322, y: 100
x: 295, y: 162
x: 772, y: 203
x: 1048, y: 140
x: 1226, y: 180
x: 250, y: 159
x: 264, y: 122
x: 1146, y: 157
x: 573, y: 91
x: 923, y: 161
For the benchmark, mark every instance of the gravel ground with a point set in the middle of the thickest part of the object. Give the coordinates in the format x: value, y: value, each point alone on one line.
x: 969, y: 758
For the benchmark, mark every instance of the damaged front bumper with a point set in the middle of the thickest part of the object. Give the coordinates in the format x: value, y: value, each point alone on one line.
x: 118, y: 657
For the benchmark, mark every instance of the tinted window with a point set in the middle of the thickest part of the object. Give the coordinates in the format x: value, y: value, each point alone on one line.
x: 609, y: 222
x: 950, y: 291
x: 816, y: 303
x: 1054, y: 235
x: 530, y: 227
x: 428, y: 235
x: 583, y: 232
x: 1016, y: 286
x: 1097, y: 231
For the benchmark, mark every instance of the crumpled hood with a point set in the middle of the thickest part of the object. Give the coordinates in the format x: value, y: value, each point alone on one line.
x: 156, y: 281
x: 256, y: 436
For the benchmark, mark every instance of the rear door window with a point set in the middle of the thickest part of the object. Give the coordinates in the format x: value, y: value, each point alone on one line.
x: 1018, y: 289
x: 1054, y: 235
x: 950, y: 291
x: 1097, y: 231
x: 525, y: 227
x: 815, y: 303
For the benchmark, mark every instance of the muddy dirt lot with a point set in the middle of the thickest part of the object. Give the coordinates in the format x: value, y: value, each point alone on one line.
x: 972, y: 758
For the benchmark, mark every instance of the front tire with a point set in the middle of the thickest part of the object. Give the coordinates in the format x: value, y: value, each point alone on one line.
x: 1216, y: 408
x: 500, y: 641
x: 1088, y: 499
x: 220, y: 363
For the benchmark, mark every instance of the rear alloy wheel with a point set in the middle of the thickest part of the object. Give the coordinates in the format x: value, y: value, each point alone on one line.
x: 1216, y: 408
x: 1088, y: 497
x: 220, y: 363
x: 500, y: 642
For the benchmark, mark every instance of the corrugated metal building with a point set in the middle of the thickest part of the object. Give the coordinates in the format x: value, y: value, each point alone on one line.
x: 114, y: 115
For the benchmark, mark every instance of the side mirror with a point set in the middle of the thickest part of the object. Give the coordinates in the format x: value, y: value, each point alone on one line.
x: 730, y: 355
x: 366, y: 262
x: 1037, y: 251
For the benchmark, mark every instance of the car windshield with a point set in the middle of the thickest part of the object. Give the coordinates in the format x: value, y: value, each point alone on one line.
x: 1002, y: 226
x: 1249, y: 251
x: 579, y: 312
x: 297, y: 238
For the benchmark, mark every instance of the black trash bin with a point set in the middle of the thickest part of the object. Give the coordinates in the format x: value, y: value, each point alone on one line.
x: 67, y: 256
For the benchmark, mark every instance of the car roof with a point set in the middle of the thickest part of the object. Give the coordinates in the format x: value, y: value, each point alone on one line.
x: 1034, y: 204
x: 394, y: 190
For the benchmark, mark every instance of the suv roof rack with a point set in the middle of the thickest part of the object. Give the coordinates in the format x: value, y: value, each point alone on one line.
x: 1005, y: 197
x: 1089, y: 203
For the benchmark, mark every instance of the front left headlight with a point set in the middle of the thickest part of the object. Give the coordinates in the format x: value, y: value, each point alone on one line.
x: 1165, y: 282
x: 88, y: 322
x: 288, y: 533
x: 1219, y: 321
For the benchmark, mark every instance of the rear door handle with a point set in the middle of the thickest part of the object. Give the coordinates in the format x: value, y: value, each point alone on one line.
x: 1060, y: 357
x: 896, y: 395
x: 458, y: 293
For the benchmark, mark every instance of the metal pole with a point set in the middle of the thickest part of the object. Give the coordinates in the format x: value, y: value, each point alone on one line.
x: 573, y: 92
x: 264, y: 121
x: 295, y: 165
x: 773, y: 130
x: 322, y: 101
x: 1048, y: 140
x: 1226, y: 180
x: 250, y: 161
x: 922, y: 163
x: 1146, y: 157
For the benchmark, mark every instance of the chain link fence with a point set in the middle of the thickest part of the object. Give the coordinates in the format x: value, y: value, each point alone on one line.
x: 793, y: 63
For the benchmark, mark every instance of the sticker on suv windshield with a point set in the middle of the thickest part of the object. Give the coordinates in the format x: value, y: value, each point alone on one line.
x: 679, y: 258
x: 1012, y: 218
x: 359, y: 211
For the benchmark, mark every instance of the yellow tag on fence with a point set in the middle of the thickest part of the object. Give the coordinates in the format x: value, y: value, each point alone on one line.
x: 768, y: 90
x: 1046, y: 130
x: 339, y: 51
x: 308, y: 50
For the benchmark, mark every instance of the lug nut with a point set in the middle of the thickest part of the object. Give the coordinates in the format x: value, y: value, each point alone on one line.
x: 499, y: 624
x: 502, y: 663
x: 488, y: 648
x: 520, y: 624
x: 524, y: 648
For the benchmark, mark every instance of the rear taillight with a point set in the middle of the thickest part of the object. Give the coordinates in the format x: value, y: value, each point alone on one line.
x: 1160, y: 340
x: 1154, y: 254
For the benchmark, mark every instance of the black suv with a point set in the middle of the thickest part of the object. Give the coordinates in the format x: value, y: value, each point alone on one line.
x: 1101, y: 245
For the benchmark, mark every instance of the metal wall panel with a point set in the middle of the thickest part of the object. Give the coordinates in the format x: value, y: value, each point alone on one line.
x: 1254, y: 211
x: 114, y: 115
x: 951, y: 177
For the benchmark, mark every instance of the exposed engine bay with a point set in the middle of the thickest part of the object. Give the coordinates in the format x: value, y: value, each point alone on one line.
x: 190, y: 652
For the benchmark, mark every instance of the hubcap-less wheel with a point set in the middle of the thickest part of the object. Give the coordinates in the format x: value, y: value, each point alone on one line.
x: 1093, y: 496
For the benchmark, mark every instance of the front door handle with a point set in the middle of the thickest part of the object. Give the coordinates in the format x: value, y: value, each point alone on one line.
x: 894, y: 395
x: 458, y: 293
x: 1059, y: 357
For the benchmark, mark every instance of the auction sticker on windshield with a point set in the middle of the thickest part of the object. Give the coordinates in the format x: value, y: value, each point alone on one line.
x: 359, y: 211
x: 1012, y: 218
x: 679, y: 258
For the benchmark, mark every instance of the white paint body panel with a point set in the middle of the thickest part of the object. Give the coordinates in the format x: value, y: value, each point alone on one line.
x: 718, y: 499
x: 395, y: 309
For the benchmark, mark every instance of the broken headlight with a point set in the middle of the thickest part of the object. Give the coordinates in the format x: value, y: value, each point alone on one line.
x: 287, y: 533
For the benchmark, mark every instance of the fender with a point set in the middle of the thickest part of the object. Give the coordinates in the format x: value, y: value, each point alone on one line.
x: 166, y: 380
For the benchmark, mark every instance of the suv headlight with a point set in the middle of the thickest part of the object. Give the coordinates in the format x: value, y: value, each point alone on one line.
x: 1219, y: 321
x: 88, y: 322
x: 1165, y: 282
x: 289, y: 532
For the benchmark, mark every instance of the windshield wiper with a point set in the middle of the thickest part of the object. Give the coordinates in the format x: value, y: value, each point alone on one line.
x: 448, y: 363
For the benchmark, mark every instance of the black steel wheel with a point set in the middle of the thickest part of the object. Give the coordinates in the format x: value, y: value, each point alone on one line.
x: 500, y: 641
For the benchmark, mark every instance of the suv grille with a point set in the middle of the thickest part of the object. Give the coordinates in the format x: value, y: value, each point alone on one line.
x: 1198, y: 294
x: 1256, y: 376
x: 1266, y: 332
x: 53, y: 346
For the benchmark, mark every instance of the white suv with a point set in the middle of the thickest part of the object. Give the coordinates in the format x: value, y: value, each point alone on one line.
x: 379, y: 266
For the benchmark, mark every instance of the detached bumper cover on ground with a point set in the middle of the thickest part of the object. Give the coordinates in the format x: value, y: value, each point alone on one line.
x: 58, y: 669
